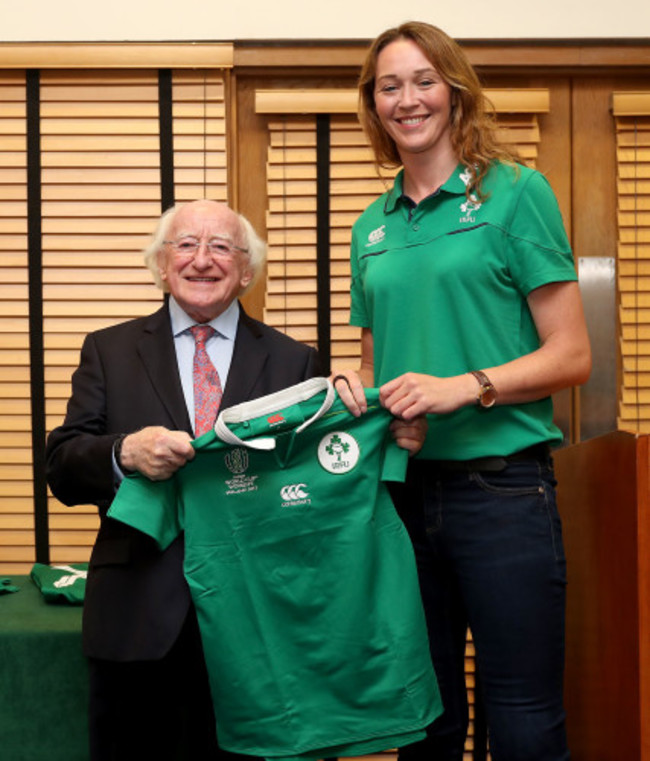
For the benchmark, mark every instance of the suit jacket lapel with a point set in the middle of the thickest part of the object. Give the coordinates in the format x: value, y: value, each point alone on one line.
x: 156, y: 349
x: 249, y: 357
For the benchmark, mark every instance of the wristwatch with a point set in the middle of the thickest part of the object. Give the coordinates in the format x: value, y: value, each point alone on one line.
x: 117, y: 453
x: 487, y: 394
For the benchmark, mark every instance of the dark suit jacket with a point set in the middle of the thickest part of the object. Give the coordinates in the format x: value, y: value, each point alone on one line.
x: 127, y: 379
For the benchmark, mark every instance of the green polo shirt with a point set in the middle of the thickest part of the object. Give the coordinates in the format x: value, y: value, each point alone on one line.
x: 443, y: 286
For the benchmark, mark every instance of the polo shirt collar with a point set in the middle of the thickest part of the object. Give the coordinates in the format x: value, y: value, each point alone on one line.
x: 455, y: 185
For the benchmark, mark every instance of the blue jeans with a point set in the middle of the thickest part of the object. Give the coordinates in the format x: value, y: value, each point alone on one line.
x: 490, y: 556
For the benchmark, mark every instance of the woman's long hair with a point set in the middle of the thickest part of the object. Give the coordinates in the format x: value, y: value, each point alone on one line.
x: 473, y: 126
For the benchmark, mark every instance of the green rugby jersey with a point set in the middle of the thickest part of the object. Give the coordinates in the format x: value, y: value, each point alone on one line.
x: 302, y: 575
x: 61, y: 583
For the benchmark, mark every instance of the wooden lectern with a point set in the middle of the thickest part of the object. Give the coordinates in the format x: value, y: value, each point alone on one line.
x: 604, y: 501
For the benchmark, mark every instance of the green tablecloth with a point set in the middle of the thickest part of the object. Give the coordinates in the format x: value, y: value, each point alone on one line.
x: 43, y: 678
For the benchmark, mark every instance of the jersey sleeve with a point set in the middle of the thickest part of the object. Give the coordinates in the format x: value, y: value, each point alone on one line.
x: 539, y: 251
x: 150, y: 507
x: 395, y: 458
x: 395, y: 462
x: 358, y: 311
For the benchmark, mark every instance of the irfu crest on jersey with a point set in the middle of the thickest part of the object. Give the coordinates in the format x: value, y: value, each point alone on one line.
x: 338, y: 452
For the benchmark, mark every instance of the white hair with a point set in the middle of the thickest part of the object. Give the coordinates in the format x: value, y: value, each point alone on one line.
x: 254, y: 245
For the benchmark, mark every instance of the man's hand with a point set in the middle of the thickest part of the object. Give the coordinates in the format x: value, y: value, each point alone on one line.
x: 410, y: 435
x: 156, y: 452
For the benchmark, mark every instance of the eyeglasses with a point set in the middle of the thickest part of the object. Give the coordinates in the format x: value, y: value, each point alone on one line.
x: 216, y: 246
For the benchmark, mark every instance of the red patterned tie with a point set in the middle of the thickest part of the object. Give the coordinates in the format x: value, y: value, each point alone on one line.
x: 207, y: 386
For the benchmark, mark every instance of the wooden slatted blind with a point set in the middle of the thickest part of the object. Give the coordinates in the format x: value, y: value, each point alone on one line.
x: 101, y: 197
x: 16, y: 489
x: 632, y: 118
x: 199, y: 113
x: 290, y: 301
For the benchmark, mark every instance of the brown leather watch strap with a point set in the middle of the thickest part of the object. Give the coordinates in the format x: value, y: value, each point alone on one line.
x: 487, y: 394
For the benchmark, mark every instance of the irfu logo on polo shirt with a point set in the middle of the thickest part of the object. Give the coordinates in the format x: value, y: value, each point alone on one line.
x: 470, y: 205
x: 338, y: 452
x: 467, y: 208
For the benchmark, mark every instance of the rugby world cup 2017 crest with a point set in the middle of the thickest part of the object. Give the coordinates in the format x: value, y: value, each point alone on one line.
x: 338, y: 452
x: 237, y: 463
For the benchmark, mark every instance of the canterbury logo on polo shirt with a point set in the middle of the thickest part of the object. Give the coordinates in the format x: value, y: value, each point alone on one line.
x: 376, y: 236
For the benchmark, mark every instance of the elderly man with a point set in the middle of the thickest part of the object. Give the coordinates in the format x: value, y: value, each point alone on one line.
x: 142, y: 391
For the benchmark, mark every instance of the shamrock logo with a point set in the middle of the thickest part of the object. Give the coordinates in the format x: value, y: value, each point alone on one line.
x: 338, y: 452
x: 337, y: 448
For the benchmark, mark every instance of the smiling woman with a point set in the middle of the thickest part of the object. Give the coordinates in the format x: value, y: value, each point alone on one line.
x: 463, y: 285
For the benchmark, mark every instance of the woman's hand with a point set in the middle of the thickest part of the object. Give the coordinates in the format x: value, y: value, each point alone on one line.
x: 410, y: 435
x: 412, y: 395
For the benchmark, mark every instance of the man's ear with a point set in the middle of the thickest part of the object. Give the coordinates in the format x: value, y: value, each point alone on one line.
x: 246, y: 279
x: 160, y: 260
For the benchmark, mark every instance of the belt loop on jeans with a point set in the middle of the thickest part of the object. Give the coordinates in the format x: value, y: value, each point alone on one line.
x: 538, y: 452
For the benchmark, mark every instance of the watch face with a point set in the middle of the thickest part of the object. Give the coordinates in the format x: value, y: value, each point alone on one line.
x: 488, y: 396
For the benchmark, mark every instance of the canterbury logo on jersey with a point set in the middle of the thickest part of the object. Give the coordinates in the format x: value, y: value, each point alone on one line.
x: 295, y: 491
x: 295, y: 494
